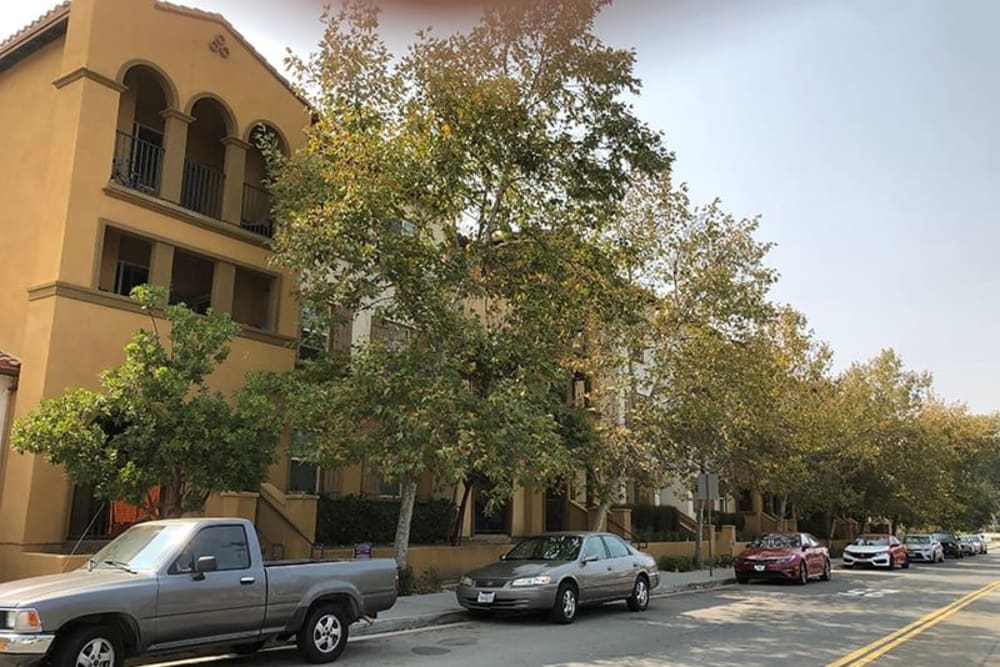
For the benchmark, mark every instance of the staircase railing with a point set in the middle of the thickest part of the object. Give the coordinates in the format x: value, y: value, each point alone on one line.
x: 316, y: 551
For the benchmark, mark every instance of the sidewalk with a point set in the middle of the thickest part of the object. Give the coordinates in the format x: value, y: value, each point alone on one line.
x: 422, y: 611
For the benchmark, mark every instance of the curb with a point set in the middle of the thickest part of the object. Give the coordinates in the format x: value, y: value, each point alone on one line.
x: 390, y: 625
x: 662, y: 592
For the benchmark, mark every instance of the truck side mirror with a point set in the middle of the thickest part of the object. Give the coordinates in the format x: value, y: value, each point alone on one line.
x: 204, y: 564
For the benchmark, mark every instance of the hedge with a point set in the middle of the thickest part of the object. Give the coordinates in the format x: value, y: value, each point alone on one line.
x: 348, y: 520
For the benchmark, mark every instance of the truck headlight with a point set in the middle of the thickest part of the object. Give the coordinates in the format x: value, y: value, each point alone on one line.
x: 532, y: 581
x: 465, y: 581
x: 27, y: 620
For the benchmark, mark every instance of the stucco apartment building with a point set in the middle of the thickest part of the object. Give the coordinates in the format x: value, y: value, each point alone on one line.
x: 129, y: 156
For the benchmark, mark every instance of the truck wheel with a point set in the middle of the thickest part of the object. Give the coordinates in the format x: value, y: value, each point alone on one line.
x: 89, y: 646
x: 324, y: 635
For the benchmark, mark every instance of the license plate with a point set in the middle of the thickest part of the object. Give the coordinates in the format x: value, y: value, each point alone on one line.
x: 759, y: 568
x: 486, y: 598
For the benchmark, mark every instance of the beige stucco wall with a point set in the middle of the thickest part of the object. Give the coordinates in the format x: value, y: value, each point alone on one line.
x: 61, y: 107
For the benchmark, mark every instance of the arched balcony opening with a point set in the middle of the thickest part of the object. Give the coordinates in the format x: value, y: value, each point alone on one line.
x: 256, y: 214
x: 139, y: 140
x: 205, y: 160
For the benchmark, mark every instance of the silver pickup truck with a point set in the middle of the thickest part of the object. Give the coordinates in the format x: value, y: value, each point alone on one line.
x: 188, y: 586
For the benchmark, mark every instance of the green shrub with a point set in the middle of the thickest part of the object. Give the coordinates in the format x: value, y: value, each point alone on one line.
x: 422, y: 584
x: 729, y: 519
x: 724, y: 561
x: 675, y: 563
x: 351, y: 520
x: 655, y: 519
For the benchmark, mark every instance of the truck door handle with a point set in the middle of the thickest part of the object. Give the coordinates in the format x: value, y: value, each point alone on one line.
x: 246, y: 581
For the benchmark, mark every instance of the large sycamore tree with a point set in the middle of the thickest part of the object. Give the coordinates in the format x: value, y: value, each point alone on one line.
x: 460, y: 192
x: 156, y: 424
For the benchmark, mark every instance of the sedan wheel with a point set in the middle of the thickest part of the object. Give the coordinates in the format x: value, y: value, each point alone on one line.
x: 564, y: 610
x: 803, y: 574
x: 827, y: 571
x: 639, y: 599
x: 892, y: 562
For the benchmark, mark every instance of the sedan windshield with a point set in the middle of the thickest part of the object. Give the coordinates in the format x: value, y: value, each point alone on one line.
x: 550, y: 547
x: 141, y: 547
x: 777, y: 541
x: 917, y: 539
x: 871, y: 541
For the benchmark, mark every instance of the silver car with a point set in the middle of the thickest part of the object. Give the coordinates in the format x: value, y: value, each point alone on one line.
x: 558, y: 572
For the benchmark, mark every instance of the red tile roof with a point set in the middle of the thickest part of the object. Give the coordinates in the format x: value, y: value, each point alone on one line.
x: 9, y: 365
x: 50, y: 17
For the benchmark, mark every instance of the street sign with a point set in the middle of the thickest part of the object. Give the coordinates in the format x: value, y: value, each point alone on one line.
x: 708, y: 486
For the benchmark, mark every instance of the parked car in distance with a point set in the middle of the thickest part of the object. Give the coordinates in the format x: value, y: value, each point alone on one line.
x: 558, y: 572
x: 924, y: 548
x: 986, y: 542
x: 188, y: 585
x: 796, y: 557
x: 950, y: 544
x: 876, y: 550
x: 971, y: 545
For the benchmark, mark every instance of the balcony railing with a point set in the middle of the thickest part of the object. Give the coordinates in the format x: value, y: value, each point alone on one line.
x: 256, y: 215
x: 137, y: 164
x: 201, y: 190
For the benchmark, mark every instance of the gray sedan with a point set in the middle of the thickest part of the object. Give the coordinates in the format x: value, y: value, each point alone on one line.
x: 558, y: 572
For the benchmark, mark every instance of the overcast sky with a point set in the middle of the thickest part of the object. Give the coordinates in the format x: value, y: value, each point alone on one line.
x: 865, y: 134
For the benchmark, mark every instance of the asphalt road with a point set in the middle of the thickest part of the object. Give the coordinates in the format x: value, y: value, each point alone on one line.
x: 860, y: 617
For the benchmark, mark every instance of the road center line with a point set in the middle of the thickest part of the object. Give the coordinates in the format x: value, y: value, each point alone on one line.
x: 869, y: 652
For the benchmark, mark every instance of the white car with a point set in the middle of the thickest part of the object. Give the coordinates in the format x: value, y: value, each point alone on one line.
x: 924, y: 548
x: 876, y: 550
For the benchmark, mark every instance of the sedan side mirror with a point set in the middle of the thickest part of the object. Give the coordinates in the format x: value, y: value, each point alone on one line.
x: 588, y: 559
x: 205, y: 564
x: 805, y: 547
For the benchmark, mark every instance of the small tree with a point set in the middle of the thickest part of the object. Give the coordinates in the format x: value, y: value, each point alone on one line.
x: 156, y: 424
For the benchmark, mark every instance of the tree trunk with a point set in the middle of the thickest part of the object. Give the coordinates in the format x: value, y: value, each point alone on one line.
x: 456, y: 537
x: 408, y: 492
x: 699, y: 529
x: 602, y: 512
x: 783, y: 509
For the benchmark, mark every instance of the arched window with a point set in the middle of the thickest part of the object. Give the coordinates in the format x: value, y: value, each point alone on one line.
x: 138, y: 159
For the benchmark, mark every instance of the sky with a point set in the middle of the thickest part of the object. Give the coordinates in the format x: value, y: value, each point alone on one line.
x: 866, y: 135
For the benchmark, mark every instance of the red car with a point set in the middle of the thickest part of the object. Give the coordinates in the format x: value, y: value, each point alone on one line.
x: 796, y: 557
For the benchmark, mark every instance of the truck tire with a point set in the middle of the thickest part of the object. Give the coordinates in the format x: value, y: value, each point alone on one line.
x: 323, y: 637
x: 96, y: 645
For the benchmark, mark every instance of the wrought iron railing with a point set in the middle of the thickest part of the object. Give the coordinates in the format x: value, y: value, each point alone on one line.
x: 137, y: 164
x: 256, y: 216
x: 202, y: 189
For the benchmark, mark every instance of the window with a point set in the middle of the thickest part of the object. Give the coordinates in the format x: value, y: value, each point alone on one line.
x: 227, y: 543
x: 191, y: 281
x: 252, y: 298
x: 125, y: 262
x: 393, y: 334
x: 303, y: 476
x: 616, y: 547
x: 594, y: 548
x: 314, y: 339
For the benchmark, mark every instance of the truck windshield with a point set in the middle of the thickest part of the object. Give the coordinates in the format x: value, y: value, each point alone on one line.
x: 141, y: 547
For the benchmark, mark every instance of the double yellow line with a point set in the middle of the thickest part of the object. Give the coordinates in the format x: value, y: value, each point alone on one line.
x: 866, y: 654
